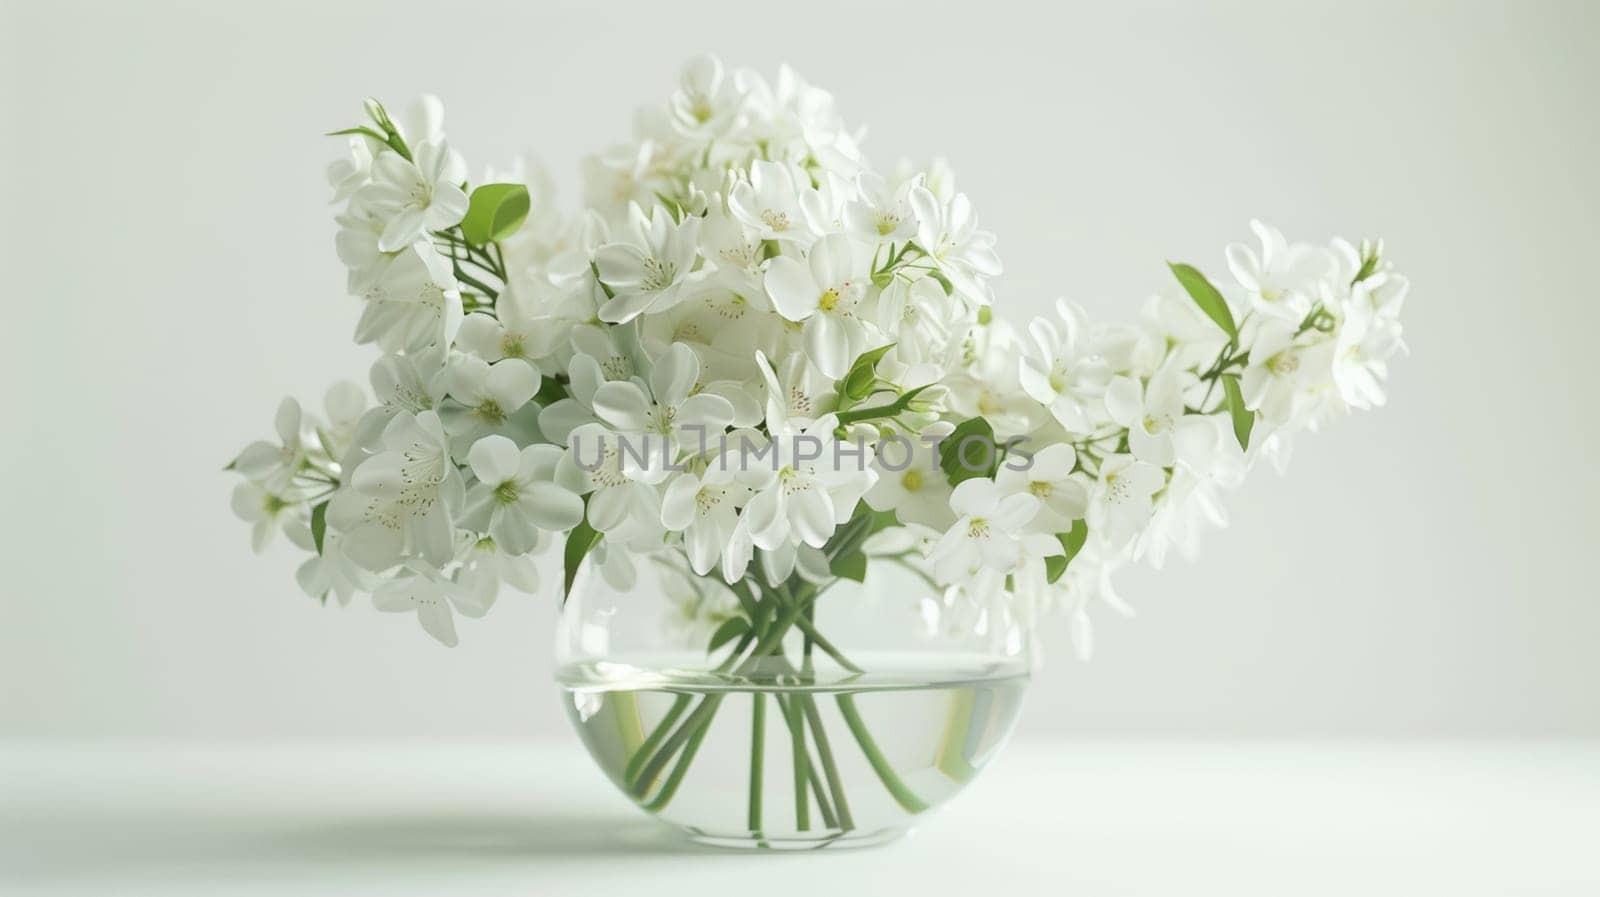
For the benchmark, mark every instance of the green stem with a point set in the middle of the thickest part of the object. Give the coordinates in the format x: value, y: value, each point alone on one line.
x: 700, y: 719
x: 804, y: 624
x: 758, y: 730
x: 891, y: 409
x: 473, y: 282
x: 633, y: 775
x: 670, y: 788
x: 880, y: 764
x: 802, y: 765
x: 679, y: 704
x: 830, y: 770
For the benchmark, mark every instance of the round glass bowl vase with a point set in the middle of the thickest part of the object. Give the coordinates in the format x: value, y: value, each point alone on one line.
x: 818, y: 712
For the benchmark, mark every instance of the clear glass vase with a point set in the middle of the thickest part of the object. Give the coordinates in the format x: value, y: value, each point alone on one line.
x: 816, y: 712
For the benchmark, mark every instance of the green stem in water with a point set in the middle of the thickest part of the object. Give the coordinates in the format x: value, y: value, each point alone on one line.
x: 880, y: 764
x: 802, y: 765
x: 670, y: 787
x: 825, y: 753
x: 808, y: 766
x: 631, y: 775
x: 679, y: 705
x: 758, y: 731
x: 700, y: 719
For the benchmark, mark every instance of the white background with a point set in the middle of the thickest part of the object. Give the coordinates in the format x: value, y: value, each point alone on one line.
x: 170, y: 274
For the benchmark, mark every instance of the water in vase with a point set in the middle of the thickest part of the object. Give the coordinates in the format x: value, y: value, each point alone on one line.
x: 795, y: 762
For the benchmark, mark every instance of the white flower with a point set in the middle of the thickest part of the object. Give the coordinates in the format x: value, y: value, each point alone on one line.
x: 736, y: 251
x: 1059, y: 369
x: 1193, y: 338
x: 356, y: 244
x: 810, y: 485
x: 601, y: 343
x: 558, y: 419
x: 925, y: 324
x: 704, y: 507
x: 415, y: 304
x: 485, y: 565
x: 949, y: 234
x: 1282, y: 280
x: 881, y: 214
x: 1154, y: 415
x: 796, y: 392
x: 330, y: 571
x: 1282, y: 370
x: 649, y: 269
x: 487, y: 398
x: 769, y: 203
x: 402, y: 501
x: 1122, y: 499
x: 1368, y: 337
x: 509, y: 333
x: 823, y: 205
x: 416, y: 197
x: 403, y: 384
x: 422, y: 121
x: 987, y: 533
x: 350, y: 174
x: 667, y: 417
x: 706, y: 101
x: 911, y: 484
x: 823, y: 292
x: 1049, y: 477
x: 264, y: 510
x: 430, y: 594
x: 621, y: 176
x: 1192, y: 501
x: 516, y: 498
x: 988, y: 384
x: 1360, y: 359
x: 274, y: 467
x: 619, y: 505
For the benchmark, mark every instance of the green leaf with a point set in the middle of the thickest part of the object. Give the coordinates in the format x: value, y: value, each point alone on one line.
x: 582, y: 538
x: 863, y: 375
x: 495, y: 212
x: 943, y: 281
x: 1071, y: 543
x: 729, y: 630
x: 365, y: 132
x: 970, y: 451
x: 850, y: 566
x: 550, y: 392
x: 319, y: 524
x: 1243, y: 418
x: 1206, y: 296
x: 1054, y: 566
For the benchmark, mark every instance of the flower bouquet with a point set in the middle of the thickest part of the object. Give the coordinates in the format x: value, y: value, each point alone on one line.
x: 809, y: 496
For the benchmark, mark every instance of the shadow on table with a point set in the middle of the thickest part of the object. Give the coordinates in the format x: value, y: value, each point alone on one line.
x: 96, y: 849
x: 481, y: 837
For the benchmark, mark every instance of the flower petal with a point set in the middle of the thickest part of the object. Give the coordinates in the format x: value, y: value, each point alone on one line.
x: 494, y: 459
x: 794, y: 293
x: 623, y: 405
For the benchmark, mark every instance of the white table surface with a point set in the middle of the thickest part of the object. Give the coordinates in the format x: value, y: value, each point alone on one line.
x: 1066, y: 817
